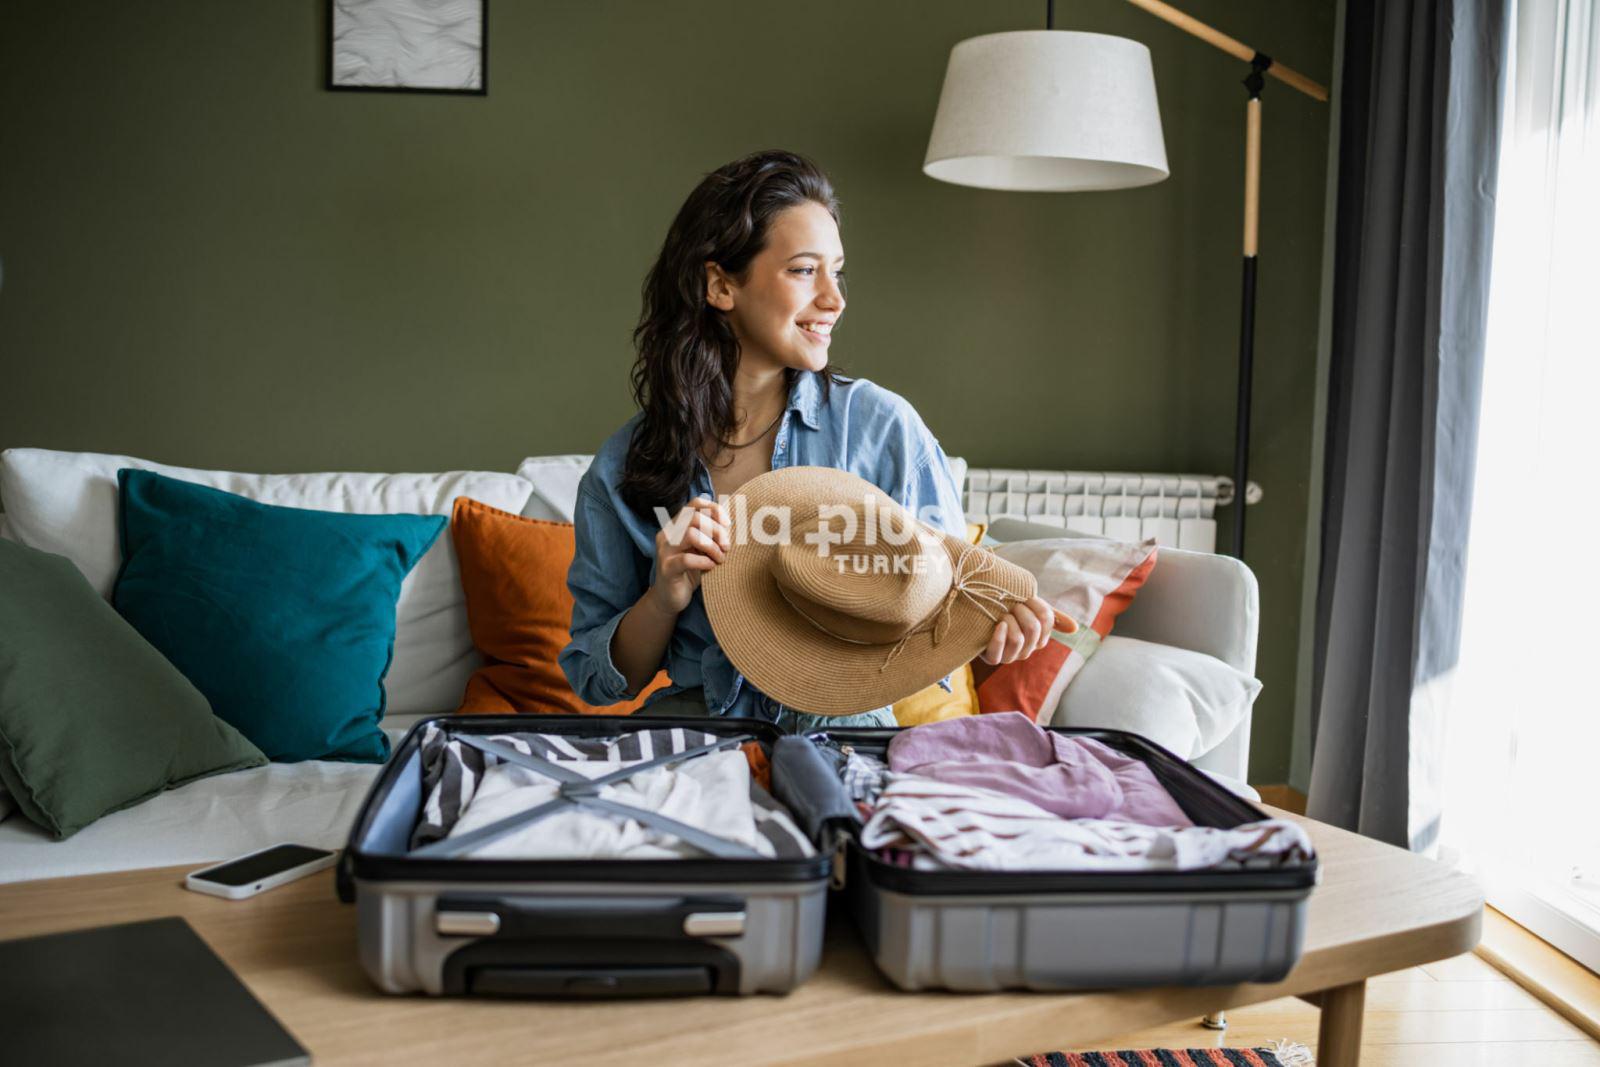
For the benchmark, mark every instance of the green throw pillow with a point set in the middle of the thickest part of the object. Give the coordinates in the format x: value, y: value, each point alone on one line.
x: 92, y: 719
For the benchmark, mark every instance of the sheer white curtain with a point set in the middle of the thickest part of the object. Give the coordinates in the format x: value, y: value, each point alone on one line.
x: 1522, y: 755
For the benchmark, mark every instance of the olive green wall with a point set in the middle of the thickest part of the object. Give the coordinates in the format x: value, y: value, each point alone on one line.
x: 211, y: 260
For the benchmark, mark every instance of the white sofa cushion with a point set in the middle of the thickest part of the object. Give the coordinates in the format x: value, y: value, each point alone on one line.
x: 554, y: 481
x: 66, y: 503
x: 1184, y: 701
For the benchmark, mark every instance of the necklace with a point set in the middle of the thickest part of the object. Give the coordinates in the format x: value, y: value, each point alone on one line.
x: 758, y: 437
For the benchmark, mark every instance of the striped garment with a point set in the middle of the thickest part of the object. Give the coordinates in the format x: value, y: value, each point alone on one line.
x: 864, y: 776
x: 452, y: 773
x: 946, y: 826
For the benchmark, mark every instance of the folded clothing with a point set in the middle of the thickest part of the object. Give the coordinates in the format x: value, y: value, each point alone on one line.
x: 466, y: 789
x: 1073, y: 777
x: 944, y: 825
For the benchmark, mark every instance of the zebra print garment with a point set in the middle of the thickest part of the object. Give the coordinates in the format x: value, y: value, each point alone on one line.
x: 451, y: 772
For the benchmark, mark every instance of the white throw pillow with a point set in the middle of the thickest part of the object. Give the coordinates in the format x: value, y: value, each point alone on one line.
x: 66, y: 503
x: 1183, y: 701
x: 555, y: 485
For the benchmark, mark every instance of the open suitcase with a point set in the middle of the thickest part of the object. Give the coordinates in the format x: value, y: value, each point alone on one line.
x: 604, y: 928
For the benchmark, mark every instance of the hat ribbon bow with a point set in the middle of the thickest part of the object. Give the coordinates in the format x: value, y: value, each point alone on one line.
x: 988, y: 597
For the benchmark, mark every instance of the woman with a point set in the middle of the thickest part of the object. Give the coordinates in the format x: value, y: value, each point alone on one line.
x: 732, y: 381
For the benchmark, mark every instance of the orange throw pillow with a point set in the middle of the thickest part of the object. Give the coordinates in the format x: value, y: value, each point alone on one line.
x: 514, y: 573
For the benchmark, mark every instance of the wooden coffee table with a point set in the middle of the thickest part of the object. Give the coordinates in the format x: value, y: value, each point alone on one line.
x: 1378, y: 909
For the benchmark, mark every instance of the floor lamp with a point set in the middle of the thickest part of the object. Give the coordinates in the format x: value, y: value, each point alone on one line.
x: 1058, y: 111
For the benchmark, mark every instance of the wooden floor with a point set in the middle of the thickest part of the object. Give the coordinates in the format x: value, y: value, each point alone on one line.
x: 1456, y: 1013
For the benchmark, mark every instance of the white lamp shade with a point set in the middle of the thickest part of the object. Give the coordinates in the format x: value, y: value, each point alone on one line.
x: 1048, y: 111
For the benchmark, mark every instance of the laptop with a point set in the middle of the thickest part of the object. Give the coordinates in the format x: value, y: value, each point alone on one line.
x: 136, y: 994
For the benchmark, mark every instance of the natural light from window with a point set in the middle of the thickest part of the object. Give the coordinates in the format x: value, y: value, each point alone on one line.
x: 1521, y: 772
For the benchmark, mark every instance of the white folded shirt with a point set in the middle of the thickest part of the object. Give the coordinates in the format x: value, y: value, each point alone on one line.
x: 710, y: 793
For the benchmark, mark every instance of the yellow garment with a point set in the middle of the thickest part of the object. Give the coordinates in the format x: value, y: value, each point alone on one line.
x: 933, y: 704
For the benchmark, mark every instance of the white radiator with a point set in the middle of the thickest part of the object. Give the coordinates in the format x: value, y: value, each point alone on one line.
x: 1178, y: 510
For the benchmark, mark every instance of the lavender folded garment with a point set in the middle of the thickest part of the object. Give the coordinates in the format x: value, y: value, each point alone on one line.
x: 1074, y: 777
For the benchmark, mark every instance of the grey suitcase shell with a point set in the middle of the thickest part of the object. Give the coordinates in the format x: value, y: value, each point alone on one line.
x: 973, y: 931
x: 592, y: 928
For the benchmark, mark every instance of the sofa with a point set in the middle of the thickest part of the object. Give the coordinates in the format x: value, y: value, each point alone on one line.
x: 65, y: 502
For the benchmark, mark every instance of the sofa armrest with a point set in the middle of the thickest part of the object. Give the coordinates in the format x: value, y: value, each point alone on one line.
x: 1198, y: 601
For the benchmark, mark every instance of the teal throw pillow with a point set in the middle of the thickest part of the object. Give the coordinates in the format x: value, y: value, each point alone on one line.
x: 282, y: 617
x: 92, y: 718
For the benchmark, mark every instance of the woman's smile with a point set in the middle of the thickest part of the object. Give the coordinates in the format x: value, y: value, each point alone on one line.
x: 819, y: 331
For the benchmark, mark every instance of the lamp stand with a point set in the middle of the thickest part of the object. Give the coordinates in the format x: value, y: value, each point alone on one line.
x: 1247, y: 297
x: 1260, y: 65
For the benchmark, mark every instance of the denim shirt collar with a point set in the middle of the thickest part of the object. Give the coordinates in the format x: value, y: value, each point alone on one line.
x: 805, y: 402
x: 805, y: 397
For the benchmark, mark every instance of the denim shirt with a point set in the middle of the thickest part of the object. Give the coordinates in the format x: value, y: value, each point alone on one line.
x: 859, y: 427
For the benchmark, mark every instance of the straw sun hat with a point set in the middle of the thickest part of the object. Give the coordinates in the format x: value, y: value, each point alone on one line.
x: 836, y: 618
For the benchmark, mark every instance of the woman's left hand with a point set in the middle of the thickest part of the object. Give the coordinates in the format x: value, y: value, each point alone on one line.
x: 1024, y: 631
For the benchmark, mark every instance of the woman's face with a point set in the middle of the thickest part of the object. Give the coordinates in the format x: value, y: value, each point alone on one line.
x: 792, y: 296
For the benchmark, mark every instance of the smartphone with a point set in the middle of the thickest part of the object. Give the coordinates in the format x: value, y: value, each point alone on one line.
x: 256, y: 872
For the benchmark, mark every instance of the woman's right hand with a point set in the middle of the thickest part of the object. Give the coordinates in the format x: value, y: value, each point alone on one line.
x: 679, y: 567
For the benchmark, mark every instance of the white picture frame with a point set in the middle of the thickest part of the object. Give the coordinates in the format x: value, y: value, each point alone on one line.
x: 418, y: 46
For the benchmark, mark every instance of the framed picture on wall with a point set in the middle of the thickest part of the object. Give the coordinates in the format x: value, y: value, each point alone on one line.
x: 417, y: 46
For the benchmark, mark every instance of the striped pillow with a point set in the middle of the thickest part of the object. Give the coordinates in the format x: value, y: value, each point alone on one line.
x: 1090, y: 579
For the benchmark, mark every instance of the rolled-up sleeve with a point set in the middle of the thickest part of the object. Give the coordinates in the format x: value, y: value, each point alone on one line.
x: 605, y: 582
x: 932, y: 495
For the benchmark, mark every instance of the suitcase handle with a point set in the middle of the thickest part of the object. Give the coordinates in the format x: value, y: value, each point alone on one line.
x: 654, y: 918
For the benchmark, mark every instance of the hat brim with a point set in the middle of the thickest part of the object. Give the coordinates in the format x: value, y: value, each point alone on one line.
x: 802, y: 667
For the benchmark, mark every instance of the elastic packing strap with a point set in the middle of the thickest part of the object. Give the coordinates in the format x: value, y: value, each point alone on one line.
x: 576, y: 790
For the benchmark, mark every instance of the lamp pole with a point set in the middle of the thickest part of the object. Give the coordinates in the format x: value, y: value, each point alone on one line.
x: 1260, y: 65
x: 1247, y: 298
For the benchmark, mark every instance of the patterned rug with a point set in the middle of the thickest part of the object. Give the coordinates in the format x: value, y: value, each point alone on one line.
x: 1284, y: 1054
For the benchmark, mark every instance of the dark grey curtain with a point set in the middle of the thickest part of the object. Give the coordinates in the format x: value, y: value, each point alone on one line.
x: 1419, y: 135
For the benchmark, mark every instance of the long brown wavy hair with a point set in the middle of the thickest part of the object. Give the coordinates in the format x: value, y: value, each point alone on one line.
x: 686, y: 350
